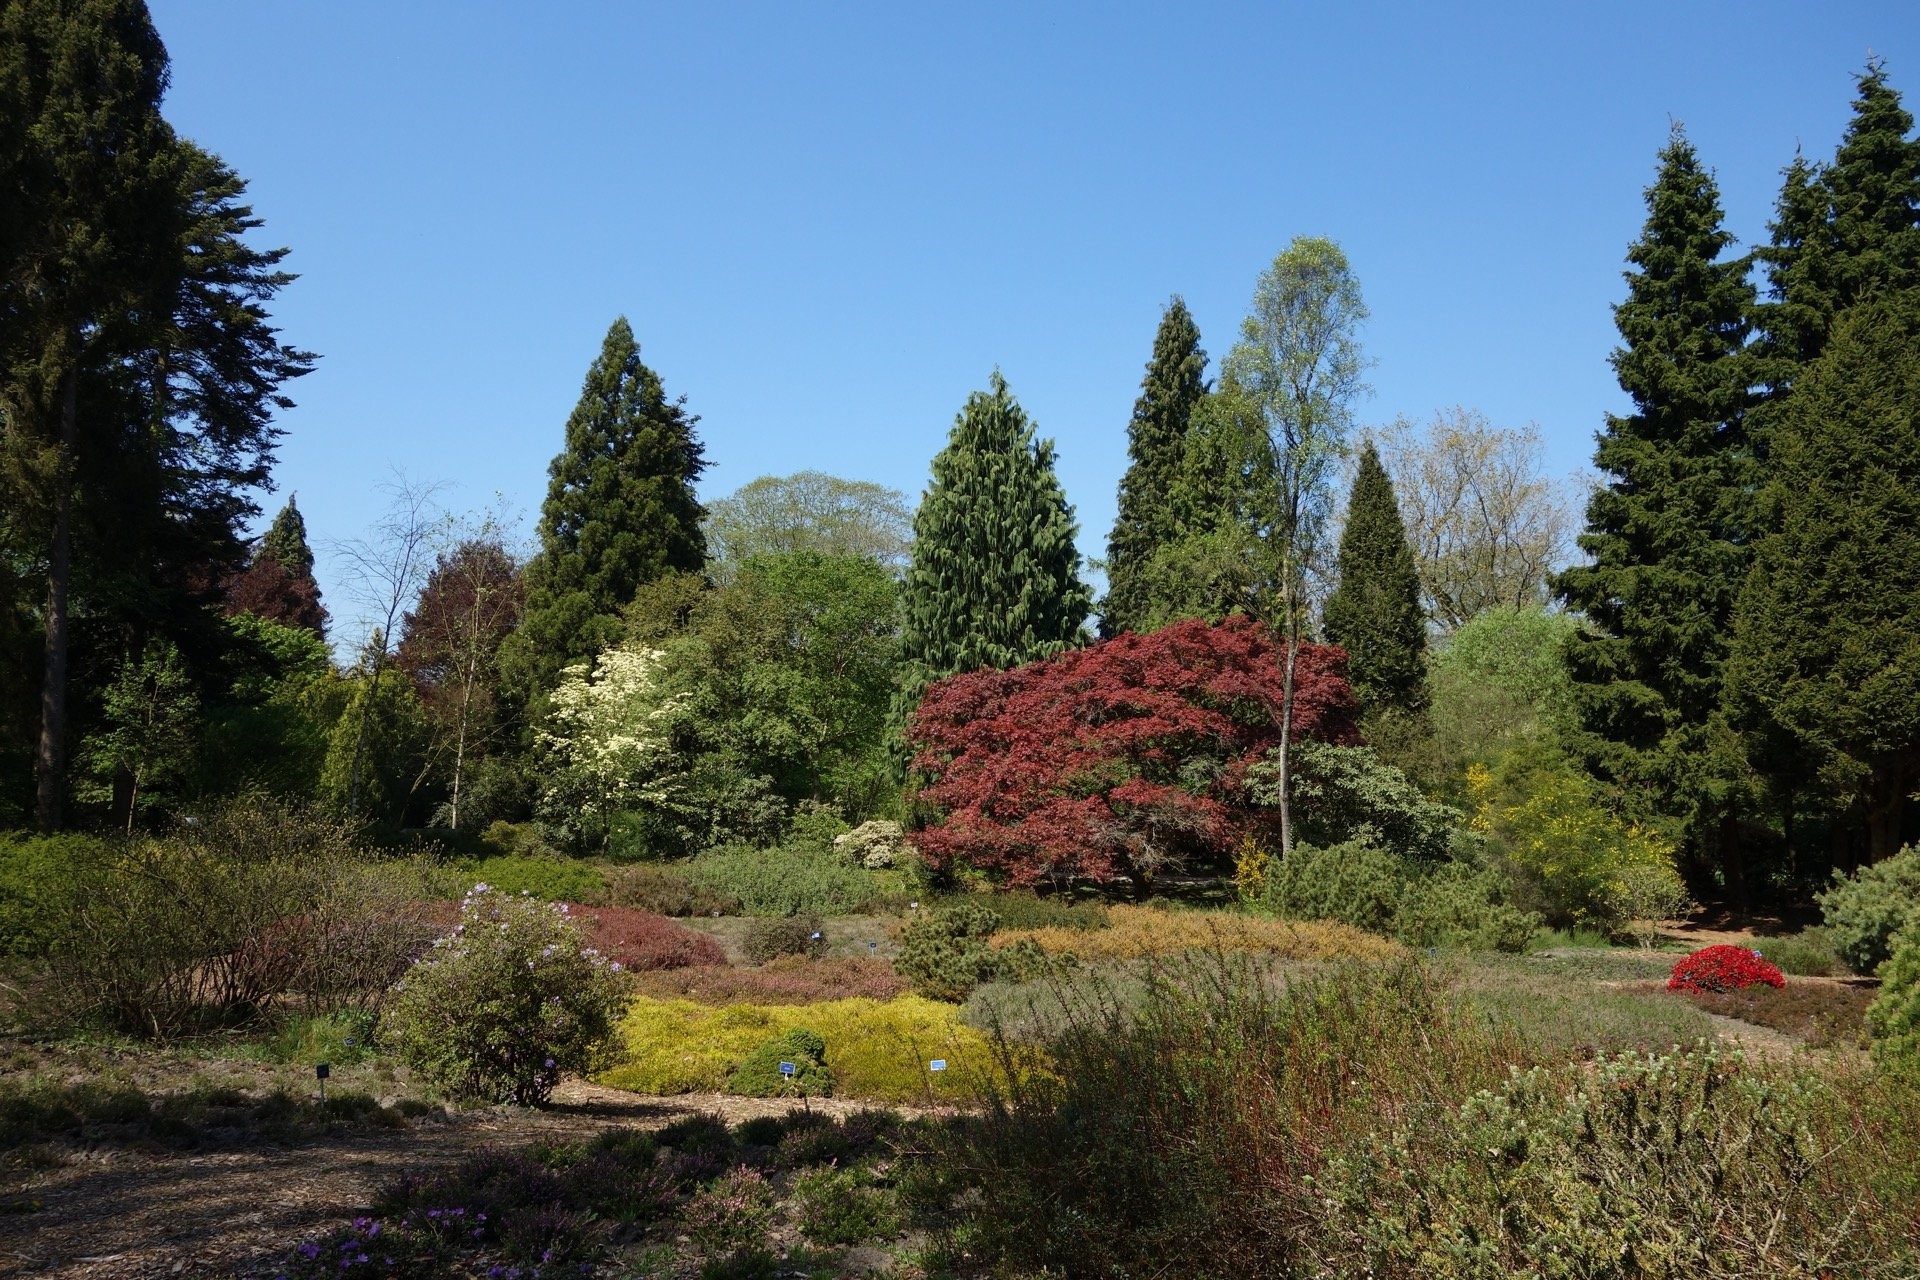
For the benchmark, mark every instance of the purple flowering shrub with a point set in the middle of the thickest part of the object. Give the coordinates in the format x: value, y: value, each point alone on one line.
x: 500, y: 1008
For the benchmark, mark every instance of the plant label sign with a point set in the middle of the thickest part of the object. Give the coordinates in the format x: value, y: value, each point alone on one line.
x: 321, y: 1071
x: 787, y: 1069
x: 938, y: 1064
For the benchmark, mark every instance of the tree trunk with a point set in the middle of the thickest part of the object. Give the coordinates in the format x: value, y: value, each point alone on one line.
x: 1286, y: 731
x: 50, y: 764
x: 126, y: 791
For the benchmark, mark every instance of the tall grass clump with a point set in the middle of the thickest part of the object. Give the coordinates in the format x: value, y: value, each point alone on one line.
x: 799, y: 880
x: 1181, y: 1123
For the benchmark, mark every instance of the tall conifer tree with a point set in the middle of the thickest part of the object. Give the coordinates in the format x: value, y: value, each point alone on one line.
x: 620, y: 512
x: 1667, y: 532
x: 1827, y: 635
x: 994, y: 580
x: 1374, y: 611
x: 279, y: 584
x: 1175, y: 383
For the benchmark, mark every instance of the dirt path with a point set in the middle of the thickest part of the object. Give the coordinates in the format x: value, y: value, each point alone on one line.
x: 128, y: 1214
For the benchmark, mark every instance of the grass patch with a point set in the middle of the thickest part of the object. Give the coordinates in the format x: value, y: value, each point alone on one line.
x: 877, y: 1050
x: 1138, y: 932
x: 1557, y: 1006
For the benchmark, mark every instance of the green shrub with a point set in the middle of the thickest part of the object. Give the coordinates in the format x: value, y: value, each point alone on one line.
x: 1353, y: 883
x: 549, y: 879
x: 946, y: 953
x: 1807, y: 954
x: 213, y: 924
x: 34, y: 871
x: 1348, y: 795
x: 1450, y: 904
x: 771, y: 937
x: 1020, y: 910
x: 504, y: 1005
x: 1686, y: 1164
x: 758, y: 1075
x: 783, y: 882
x: 1863, y: 911
x: 1460, y: 905
x: 666, y: 892
x: 1893, y: 1019
x: 733, y: 1212
x: 834, y: 1206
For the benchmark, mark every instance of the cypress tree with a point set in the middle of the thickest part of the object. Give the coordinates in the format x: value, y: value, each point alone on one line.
x: 1174, y: 384
x: 994, y: 578
x: 1827, y: 633
x: 620, y: 512
x: 1374, y: 612
x: 1666, y: 533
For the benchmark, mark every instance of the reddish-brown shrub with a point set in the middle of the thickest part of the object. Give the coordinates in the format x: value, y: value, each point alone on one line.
x: 1119, y: 758
x: 788, y: 980
x: 641, y: 941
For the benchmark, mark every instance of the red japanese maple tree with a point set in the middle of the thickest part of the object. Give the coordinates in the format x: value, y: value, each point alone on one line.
x: 1118, y: 759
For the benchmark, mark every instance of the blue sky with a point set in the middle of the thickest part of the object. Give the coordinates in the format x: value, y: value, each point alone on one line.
x: 828, y: 223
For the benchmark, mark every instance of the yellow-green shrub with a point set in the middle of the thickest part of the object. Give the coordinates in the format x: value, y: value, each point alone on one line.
x: 877, y: 1050
x: 1147, y: 931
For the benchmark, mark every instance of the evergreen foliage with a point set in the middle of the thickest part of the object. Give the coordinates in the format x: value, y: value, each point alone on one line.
x: 994, y: 580
x: 1667, y: 534
x: 286, y: 541
x: 620, y: 512
x: 1374, y: 612
x: 279, y: 584
x: 1174, y: 385
x: 1826, y: 644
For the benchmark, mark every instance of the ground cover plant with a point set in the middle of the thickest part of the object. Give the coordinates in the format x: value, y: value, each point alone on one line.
x: 877, y: 1050
x: 1822, y: 1014
x: 1137, y: 931
x: 785, y: 980
x: 639, y: 940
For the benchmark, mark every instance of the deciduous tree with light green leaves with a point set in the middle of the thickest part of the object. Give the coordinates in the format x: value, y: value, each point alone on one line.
x: 809, y: 512
x: 1299, y: 363
x: 994, y: 580
x: 152, y: 716
x: 607, y: 741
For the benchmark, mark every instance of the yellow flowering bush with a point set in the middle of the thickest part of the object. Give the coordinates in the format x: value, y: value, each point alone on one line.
x: 1588, y: 865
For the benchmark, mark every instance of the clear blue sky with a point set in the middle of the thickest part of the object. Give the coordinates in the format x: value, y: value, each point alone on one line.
x: 829, y: 222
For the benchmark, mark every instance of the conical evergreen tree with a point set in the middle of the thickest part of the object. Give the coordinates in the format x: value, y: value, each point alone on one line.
x: 620, y: 512
x: 1667, y: 532
x: 1374, y: 612
x: 1174, y: 384
x: 1827, y: 633
x: 286, y: 541
x: 1842, y: 232
x: 994, y: 579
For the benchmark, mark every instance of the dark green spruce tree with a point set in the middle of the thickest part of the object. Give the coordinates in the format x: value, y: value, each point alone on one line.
x: 1827, y: 633
x: 1842, y: 232
x: 1667, y: 533
x: 994, y: 580
x: 1174, y: 384
x: 1374, y: 610
x: 620, y: 512
x: 286, y: 541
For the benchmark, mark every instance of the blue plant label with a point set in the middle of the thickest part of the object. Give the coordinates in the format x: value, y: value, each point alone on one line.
x: 815, y: 935
x: 938, y: 1064
x: 873, y: 946
x: 787, y: 1068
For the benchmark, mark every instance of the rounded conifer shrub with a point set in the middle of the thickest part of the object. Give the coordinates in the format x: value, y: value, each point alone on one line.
x: 1893, y: 1019
x: 509, y: 1001
x: 1723, y: 968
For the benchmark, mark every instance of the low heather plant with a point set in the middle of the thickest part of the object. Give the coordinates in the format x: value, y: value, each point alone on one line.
x: 506, y: 1003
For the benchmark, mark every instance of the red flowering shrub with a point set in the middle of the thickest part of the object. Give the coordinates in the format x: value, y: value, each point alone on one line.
x: 641, y: 940
x: 1723, y: 968
x: 1117, y: 759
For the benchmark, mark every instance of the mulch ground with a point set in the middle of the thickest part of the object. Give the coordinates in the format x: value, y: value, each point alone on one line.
x: 127, y: 1213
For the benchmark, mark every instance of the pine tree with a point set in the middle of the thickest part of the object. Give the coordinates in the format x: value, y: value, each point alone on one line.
x: 620, y: 512
x: 1175, y: 383
x: 1827, y: 631
x: 279, y: 584
x: 1374, y: 612
x: 994, y: 578
x: 1667, y: 533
